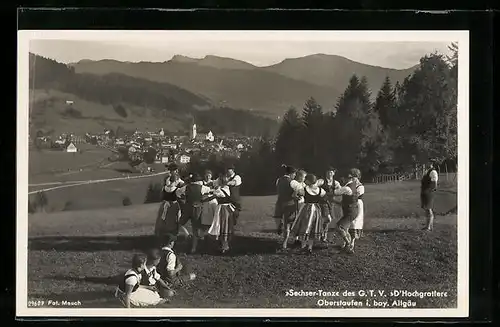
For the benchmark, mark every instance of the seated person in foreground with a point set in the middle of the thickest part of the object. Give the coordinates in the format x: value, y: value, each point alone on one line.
x: 131, y: 293
x: 170, y: 268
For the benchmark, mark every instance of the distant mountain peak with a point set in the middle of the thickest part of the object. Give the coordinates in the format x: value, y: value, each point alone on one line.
x: 214, y: 61
x: 182, y: 58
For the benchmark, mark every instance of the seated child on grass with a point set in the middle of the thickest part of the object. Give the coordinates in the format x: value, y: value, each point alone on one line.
x: 130, y: 292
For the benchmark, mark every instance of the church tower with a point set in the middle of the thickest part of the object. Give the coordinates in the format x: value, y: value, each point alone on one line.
x: 193, y: 132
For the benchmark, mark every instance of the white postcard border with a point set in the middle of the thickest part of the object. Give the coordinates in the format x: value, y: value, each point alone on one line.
x: 462, y: 37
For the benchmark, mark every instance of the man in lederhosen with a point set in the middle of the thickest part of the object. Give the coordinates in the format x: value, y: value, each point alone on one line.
x: 329, y: 184
x: 193, y: 195
x: 234, y: 184
x: 285, y: 196
x: 349, y: 208
x: 286, y: 204
x: 427, y: 192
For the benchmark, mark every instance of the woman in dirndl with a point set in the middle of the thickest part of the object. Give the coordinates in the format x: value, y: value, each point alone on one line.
x: 169, y: 213
x: 356, y: 230
x: 131, y: 293
x: 309, y: 222
x: 223, y: 223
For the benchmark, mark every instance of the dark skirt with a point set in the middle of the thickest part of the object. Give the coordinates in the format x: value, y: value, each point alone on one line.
x: 427, y: 200
x: 167, y: 221
x: 309, y: 222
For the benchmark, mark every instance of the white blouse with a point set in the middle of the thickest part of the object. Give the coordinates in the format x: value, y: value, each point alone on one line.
x: 218, y: 192
x: 171, y: 186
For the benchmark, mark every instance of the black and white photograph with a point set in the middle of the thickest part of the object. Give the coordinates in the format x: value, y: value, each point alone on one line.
x: 242, y: 173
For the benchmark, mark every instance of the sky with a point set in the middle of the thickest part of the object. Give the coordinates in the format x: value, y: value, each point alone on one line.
x: 389, y: 54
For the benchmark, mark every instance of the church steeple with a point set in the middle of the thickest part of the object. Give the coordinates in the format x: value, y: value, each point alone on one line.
x: 193, y: 129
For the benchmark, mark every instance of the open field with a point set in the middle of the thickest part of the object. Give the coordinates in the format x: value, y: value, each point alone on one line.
x: 98, y: 195
x: 49, y: 106
x: 74, y: 255
x: 44, y: 164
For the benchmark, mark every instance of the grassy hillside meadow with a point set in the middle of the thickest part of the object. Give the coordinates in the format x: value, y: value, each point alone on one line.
x: 49, y: 106
x: 76, y: 255
x: 47, y: 161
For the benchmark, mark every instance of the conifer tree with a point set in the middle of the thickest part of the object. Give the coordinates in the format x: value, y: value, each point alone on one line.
x: 385, y: 104
x: 288, y: 138
x: 426, y: 120
x: 312, y: 140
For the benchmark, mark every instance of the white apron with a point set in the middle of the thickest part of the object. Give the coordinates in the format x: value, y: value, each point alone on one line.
x: 142, y: 297
x: 357, y: 223
x: 221, y: 212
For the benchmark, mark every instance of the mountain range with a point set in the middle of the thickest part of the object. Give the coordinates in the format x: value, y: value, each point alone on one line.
x: 222, y: 94
x: 267, y: 90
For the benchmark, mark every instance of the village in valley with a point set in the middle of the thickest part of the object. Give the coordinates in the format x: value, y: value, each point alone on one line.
x: 144, y: 148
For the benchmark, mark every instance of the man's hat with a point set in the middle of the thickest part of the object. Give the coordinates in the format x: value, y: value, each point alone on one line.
x: 229, y: 166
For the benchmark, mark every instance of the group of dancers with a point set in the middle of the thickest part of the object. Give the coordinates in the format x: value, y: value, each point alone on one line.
x: 211, y: 205
x: 304, y: 210
x: 306, y: 206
